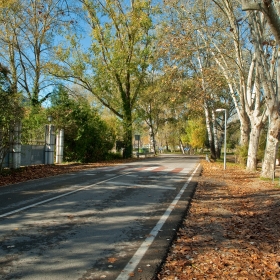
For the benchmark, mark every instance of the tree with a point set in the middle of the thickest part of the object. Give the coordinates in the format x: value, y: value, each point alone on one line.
x: 114, y: 67
x: 266, y: 55
x: 29, y: 29
x: 196, y: 133
x: 190, y: 52
x: 248, y: 104
x: 232, y: 53
x: 255, y: 89
x: 270, y: 10
x: 10, y: 116
x: 33, y: 125
x: 154, y: 104
x: 87, y: 137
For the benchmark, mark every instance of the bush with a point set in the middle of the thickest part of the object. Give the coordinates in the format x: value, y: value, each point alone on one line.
x: 241, y: 153
x: 87, y: 138
x: 113, y: 156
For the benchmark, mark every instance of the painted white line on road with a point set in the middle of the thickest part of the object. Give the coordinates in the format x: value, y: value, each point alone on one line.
x: 140, y: 186
x: 149, y: 168
x: 56, y: 197
x: 156, y: 187
x: 134, y: 261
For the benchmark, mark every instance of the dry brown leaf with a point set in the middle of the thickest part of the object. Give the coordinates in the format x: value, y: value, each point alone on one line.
x: 112, y: 260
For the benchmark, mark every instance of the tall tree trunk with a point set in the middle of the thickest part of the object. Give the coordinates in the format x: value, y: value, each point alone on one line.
x: 166, y: 143
x: 150, y: 123
x: 209, y: 132
x: 215, y: 135
x: 153, y: 140
x: 268, y: 166
x: 256, y: 112
x: 181, y: 146
x: 127, y: 125
x: 207, y: 115
x: 244, y: 129
x: 253, y: 147
x: 221, y: 141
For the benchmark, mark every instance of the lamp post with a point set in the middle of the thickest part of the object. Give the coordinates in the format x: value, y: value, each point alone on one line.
x: 50, y: 142
x: 50, y: 118
x: 225, y: 140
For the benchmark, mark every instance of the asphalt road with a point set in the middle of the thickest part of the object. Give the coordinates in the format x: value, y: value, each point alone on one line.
x: 103, y: 223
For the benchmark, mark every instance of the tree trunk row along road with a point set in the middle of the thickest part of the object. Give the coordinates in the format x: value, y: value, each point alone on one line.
x: 113, y: 222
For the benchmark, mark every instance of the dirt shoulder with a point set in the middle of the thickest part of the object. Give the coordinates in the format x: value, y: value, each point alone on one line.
x: 232, y: 230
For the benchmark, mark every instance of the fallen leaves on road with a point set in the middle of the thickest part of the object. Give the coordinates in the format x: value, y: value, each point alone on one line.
x: 232, y: 229
x: 112, y: 260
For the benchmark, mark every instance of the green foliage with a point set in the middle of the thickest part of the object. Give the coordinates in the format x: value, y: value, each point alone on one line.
x: 233, y: 134
x: 242, y: 154
x: 11, y: 114
x: 112, y: 156
x: 87, y: 137
x: 196, y: 133
x: 33, y: 125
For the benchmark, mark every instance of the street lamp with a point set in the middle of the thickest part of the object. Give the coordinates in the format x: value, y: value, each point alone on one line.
x: 225, y: 143
x: 50, y: 118
x: 49, y: 141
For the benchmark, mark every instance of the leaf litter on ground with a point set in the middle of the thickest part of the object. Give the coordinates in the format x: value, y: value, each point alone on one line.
x: 232, y: 230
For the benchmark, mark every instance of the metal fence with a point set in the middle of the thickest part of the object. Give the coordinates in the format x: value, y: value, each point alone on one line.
x: 30, y: 155
x: 25, y: 155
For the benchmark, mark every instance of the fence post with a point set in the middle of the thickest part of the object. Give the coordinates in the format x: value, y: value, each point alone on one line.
x: 16, y: 160
x: 50, y: 143
x: 59, y: 146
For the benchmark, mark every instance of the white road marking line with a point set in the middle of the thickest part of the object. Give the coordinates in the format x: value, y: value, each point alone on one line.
x: 56, y: 197
x: 134, y: 261
x: 150, y: 168
x: 140, y: 186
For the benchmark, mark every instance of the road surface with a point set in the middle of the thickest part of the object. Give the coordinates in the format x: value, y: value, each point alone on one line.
x: 103, y: 223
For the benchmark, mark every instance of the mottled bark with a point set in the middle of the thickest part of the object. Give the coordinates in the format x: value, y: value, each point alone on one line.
x: 253, y: 147
x: 268, y: 166
x: 209, y: 132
